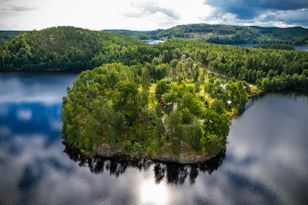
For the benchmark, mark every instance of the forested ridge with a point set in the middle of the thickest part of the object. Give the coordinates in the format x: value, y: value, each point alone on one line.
x: 61, y: 48
x: 227, y: 34
x: 222, y: 34
x: 7, y: 35
x: 69, y: 48
x: 276, y: 46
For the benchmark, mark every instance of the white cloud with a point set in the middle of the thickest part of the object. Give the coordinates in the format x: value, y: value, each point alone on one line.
x: 24, y: 115
x: 46, y: 88
x: 139, y: 14
x: 102, y: 14
x: 55, y: 124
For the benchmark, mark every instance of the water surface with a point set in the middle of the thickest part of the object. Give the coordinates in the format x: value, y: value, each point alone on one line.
x: 266, y: 161
x: 153, y: 41
x: 301, y: 48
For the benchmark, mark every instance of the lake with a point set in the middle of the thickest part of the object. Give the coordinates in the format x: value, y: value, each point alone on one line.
x: 266, y: 161
x: 153, y: 41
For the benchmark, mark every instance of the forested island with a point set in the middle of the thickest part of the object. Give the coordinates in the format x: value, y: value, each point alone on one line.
x: 173, y: 101
x: 154, y: 111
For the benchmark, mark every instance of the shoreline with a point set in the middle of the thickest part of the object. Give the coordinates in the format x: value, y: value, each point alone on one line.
x: 130, y: 157
x: 43, y: 71
x: 181, y: 159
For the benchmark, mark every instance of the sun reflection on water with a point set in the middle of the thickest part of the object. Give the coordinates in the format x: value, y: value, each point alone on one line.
x: 151, y: 193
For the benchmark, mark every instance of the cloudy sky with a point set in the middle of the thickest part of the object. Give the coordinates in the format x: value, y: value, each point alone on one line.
x: 149, y: 14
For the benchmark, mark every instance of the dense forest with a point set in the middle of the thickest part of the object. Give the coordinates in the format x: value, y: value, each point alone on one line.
x: 276, y: 46
x: 151, y: 111
x: 227, y: 34
x: 61, y: 48
x: 7, y: 35
x: 68, y: 48
x: 173, y: 101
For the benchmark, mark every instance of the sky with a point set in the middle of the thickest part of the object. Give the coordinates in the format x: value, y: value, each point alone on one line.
x: 149, y: 14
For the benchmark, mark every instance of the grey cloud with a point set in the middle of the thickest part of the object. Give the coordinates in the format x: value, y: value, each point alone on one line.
x: 134, y: 15
x: 265, y: 4
x: 149, y: 8
x: 259, y: 12
x: 249, y: 9
x: 18, y: 8
x: 294, y: 17
x: 155, y: 9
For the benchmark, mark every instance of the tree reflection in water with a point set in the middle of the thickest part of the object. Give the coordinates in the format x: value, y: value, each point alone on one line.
x: 175, y: 173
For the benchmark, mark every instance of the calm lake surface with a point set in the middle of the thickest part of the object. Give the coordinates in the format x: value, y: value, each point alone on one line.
x: 153, y: 41
x: 266, y: 161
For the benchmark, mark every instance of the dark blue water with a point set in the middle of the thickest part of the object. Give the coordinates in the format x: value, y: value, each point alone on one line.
x: 301, y: 48
x: 266, y: 161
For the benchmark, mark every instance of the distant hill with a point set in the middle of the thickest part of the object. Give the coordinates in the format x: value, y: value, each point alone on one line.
x: 61, y: 48
x: 227, y: 34
x: 70, y: 48
x: 143, y: 35
x: 7, y: 35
